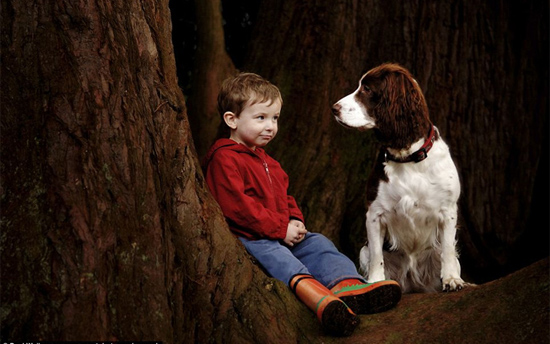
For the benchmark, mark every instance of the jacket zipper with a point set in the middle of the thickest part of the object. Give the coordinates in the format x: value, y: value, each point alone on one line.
x: 267, y: 171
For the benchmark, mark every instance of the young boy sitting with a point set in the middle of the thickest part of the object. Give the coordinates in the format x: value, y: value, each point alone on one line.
x: 251, y: 188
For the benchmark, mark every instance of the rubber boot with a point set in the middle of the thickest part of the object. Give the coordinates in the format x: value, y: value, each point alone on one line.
x: 368, y: 298
x: 335, y: 316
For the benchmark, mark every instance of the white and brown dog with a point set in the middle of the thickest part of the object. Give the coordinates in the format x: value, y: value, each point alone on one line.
x: 413, y: 190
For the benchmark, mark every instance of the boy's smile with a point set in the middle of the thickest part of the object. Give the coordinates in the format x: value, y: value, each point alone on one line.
x: 256, y: 125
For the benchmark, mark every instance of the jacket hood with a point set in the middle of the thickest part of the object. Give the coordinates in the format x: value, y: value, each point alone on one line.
x: 226, y: 144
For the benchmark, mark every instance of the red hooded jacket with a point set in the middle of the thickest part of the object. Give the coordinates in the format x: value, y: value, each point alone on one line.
x: 251, y: 189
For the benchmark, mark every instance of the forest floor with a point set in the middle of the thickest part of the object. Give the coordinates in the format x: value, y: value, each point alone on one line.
x: 512, y: 309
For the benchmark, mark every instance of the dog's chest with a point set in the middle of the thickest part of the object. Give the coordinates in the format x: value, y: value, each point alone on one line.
x: 426, y: 188
x: 415, y: 196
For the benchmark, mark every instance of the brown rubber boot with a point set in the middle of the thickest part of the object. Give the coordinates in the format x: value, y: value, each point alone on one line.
x: 335, y: 316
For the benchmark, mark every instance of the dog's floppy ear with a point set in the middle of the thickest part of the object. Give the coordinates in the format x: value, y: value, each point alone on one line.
x: 403, y: 95
x: 415, y: 100
x: 396, y: 98
x: 403, y: 109
x: 394, y: 106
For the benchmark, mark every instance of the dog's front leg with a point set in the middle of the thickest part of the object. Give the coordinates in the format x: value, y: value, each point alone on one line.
x: 375, y: 234
x: 450, y: 266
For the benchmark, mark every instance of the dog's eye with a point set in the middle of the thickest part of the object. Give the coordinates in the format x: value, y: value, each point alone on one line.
x: 366, y: 88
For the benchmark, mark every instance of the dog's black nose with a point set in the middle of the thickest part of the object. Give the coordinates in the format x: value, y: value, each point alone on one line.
x: 336, y: 109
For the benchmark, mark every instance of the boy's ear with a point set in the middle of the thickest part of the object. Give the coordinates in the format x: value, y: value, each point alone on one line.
x: 230, y: 119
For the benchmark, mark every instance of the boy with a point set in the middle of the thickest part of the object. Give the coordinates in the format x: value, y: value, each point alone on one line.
x: 251, y: 188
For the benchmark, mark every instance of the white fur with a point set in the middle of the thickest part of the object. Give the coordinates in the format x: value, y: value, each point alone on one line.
x: 416, y: 211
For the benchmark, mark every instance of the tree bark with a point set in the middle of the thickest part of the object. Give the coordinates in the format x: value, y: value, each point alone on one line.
x: 212, y: 66
x: 108, y: 230
x: 512, y: 309
x: 93, y: 135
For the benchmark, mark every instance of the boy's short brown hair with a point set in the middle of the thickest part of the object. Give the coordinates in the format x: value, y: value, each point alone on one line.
x: 246, y: 89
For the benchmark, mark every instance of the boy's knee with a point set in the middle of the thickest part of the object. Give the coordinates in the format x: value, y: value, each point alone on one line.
x: 320, y: 239
x: 317, y: 236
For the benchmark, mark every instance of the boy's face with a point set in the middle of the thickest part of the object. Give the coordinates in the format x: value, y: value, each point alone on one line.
x: 256, y: 125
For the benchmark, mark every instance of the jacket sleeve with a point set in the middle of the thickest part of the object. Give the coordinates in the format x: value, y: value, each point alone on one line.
x: 295, y: 212
x: 227, y: 186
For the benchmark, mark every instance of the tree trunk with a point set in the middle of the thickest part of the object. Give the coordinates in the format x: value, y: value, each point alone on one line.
x: 212, y: 66
x: 108, y: 231
x: 484, y: 70
x: 93, y: 136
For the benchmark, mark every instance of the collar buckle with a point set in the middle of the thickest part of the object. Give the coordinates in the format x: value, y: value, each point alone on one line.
x: 420, y: 154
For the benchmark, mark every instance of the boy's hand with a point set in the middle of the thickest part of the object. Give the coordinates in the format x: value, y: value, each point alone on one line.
x: 295, y: 232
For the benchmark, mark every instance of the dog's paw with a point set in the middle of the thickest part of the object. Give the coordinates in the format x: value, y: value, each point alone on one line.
x: 376, y: 276
x: 453, y: 284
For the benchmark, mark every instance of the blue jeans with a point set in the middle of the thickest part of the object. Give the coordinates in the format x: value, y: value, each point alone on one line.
x: 315, y: 255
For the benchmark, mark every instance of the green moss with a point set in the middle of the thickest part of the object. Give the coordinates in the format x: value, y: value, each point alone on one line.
x: 394, y: 337
x: 107, y: 173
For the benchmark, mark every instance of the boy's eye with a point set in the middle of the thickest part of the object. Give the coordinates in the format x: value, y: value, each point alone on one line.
x: 275, y: 118
x: 261, y: 117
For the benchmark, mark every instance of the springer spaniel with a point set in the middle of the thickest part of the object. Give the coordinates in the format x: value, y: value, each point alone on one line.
x: 413, y: 190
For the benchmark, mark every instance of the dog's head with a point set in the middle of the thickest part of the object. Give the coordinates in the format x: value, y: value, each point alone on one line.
x: 389, y: 100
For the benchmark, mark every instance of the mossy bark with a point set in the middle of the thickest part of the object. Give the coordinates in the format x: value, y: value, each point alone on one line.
x: 513, y: 309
